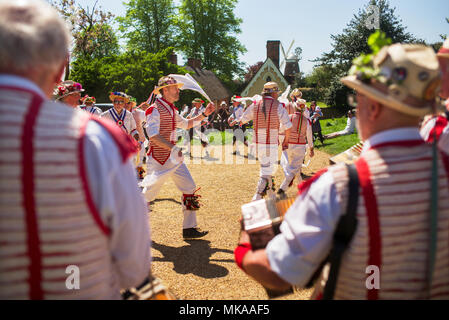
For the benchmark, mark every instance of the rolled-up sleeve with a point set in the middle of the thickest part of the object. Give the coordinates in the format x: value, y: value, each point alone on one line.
x: 153, y: 123
x: 247, y: 115
x: 181, y: 122
x: 283, y: 117
x: 306, y: 233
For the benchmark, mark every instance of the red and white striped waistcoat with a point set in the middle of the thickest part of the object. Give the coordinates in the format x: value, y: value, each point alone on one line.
x: 166, y: 130
x: 393, y: 224
x: 266, y: 126
x: 298, y: 132
x: 48, y: 220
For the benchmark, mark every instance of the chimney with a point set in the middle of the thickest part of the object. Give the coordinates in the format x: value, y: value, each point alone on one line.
x: 273, y: 47
x: 173, y: 59
x: 194, y: 63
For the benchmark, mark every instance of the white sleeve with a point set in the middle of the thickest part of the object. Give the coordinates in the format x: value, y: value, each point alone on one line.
x: 309, y: 134
x: 443, y: 143
x: 283, y: 117
x: 133, y: 123
x: 114, y: 189
x: 306, y: 233
x: 153, y: 123
x: 247, y: 115
x: 181, y: 122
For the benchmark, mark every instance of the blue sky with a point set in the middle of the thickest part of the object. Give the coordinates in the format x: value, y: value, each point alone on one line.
x: 310, y: 23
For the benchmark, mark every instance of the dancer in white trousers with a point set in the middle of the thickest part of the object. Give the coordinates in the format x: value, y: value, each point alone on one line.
x: 268, y: 114
x: 300, y: 137
x: 165, y: 160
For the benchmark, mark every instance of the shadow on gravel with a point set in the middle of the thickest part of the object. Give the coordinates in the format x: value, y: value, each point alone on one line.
x: 194, y: 258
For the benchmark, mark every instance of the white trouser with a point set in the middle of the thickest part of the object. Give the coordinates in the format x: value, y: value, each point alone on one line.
x: 158, y: 174
x: 291, y: 163
x: 267, y: 155
x: 139, y: 157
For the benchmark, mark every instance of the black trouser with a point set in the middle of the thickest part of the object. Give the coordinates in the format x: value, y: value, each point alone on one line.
x: 203, y: 143
x: 234, y: 138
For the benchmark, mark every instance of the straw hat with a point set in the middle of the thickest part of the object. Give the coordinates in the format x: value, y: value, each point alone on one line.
x: 296, y: 93
x: 119, y: 95
x: 405, y: 77
x: 88, y: 100
x: 67, y: 88
x: 197, y: 100
x: 166, y: 81
x: 444, y: 50
x: 235, y: 97
x: 300, y: 104
x: 270, y: 87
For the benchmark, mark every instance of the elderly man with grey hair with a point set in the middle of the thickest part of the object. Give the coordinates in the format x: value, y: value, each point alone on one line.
x: 73, y: 221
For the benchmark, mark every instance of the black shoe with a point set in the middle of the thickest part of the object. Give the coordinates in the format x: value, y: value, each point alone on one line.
x: 281, y: 194
x: 193, y: 233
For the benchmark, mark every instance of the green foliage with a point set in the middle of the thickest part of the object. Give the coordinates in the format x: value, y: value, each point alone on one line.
x: 207, y: 30
x: 135, y: 72
x: 363, y: 66
x: 90, y: 27
x: 148, y: 25
x: 353, y: 42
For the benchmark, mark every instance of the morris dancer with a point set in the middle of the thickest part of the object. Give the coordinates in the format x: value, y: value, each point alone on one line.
x: 70, y: 200
x: 233, y: 121
x: 300, y: 137
x: 268, y: 114
x: 139, y: 118
x: 89, y: 105
x: 197, y: 109
x: 120, y: 116
x: 68, y: 92
x: 439, y: 125
x: 165, y: 159
x: 400, y: 231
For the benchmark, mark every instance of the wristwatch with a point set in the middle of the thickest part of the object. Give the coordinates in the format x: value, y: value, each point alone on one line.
x: 202, y: 113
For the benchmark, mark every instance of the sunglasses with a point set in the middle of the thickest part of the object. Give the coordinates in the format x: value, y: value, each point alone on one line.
x: 119, y: 102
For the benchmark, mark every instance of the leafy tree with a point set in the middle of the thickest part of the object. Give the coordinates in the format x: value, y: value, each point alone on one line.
x: 252, y: 70
x: 93, y: 36
x: 207, y: 30
x: 135, y: 72
x: 353, y: 42
x: 149, y: 24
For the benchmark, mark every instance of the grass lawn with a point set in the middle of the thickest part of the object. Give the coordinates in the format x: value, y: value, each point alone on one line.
x: 339, y: 144
x: 331, y: 146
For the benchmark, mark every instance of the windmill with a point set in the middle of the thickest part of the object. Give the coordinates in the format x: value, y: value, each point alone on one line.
x: 286, y: 55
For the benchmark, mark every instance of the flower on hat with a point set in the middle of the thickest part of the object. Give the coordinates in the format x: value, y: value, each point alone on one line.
x: 88, y: 100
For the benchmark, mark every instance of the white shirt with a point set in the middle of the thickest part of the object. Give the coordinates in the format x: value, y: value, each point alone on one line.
x: 114, y: 190
x: 154, y: 121
x: 282, y: 113
x: 129, y: 124
x: 350, y: 124
x: 195, y: 112
x: 139, y: 114
x: 308, y: 227
x: 237, y: 113
x: 91, y: 109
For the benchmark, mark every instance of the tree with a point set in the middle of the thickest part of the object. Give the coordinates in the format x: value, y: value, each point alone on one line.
x: 207, y: 30
x: 149, y: 25
x: 93, y: 36
x: 352, y: 42
x: 135, y: 72
x: 252, y: 70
